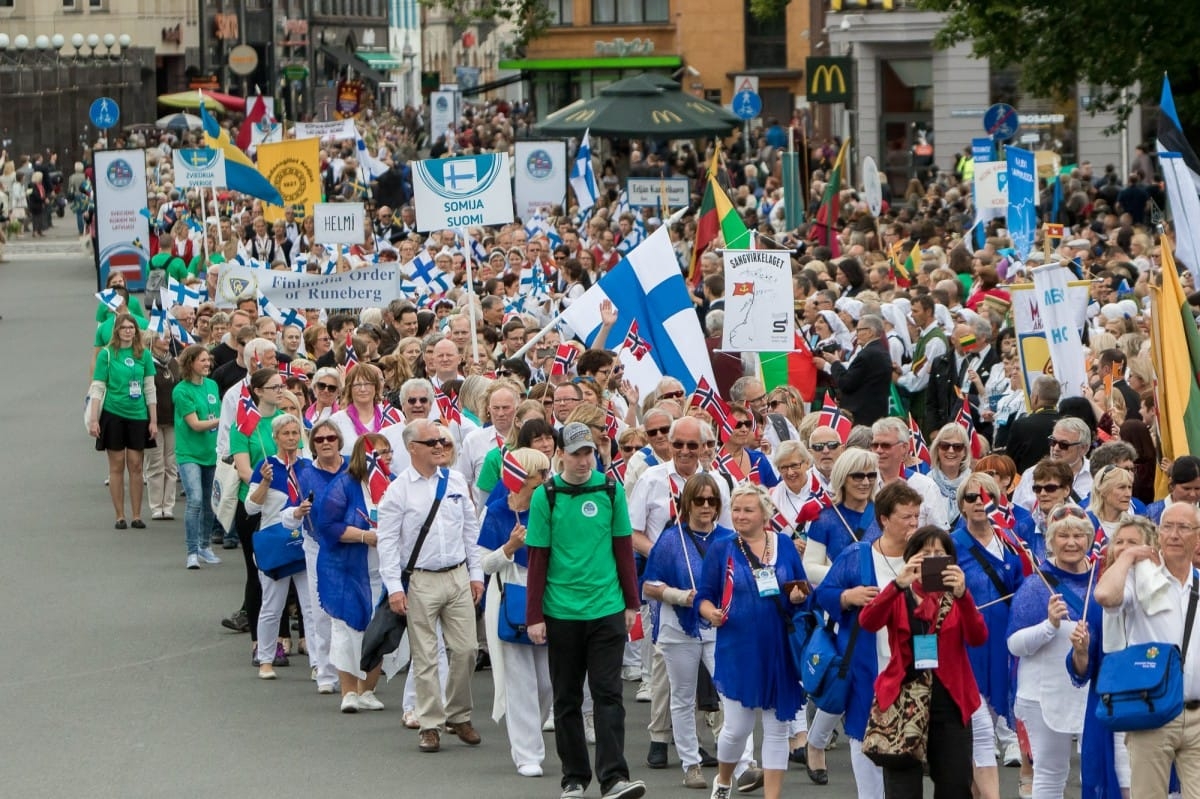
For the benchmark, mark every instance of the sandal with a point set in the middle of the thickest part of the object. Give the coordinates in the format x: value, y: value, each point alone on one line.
x: 120, y: 525
x: 138, y: 524
x: 1025, y: 788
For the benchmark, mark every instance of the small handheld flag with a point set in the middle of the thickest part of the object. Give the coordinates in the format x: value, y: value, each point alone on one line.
x: 248, y: 415
x: 564, y: 360
x: 637, y: 346
x: 378, y: 474
x: 727, y: 591
x: 512, y: 474
x: 832, y: 416
x: 351, y: 356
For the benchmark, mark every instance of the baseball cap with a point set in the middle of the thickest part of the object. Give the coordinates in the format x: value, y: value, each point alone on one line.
x: 577, y: 436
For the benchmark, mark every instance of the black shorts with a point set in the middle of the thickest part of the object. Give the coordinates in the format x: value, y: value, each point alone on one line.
x: 118, y: 433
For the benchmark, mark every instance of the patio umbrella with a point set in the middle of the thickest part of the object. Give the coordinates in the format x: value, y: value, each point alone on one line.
x: 189, y: 100
x: 180, y: 122
x: 230, y: 101
x: 643, y: 105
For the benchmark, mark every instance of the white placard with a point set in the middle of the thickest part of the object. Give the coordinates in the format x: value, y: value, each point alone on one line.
x: 648, y: 191
x: 371, y: 286
x: 1033, y: 320
x: 122, y: 216
x: 759, y: 314
x: 872, y: 190
x: 199, y: 168
x: 339, y: 223
x: 541, y: 176
x: 443, y: 113
x: 336, y: 130
x: 461, y: 192
x: 991, y: 189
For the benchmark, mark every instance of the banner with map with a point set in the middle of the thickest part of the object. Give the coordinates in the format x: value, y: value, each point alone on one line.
x: 758, y: 301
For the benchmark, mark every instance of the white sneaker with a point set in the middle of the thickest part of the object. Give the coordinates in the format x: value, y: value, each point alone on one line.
x: 325, y: 689
x: 548, y: 725
x: 193, y: 562
x: 350, y: 702
x: 208, y: 556
x: 720, y: 791
x: 643, y: 692
x: 589, y: 728
x: 368, y: 701
x: 631, y: 673
x: 1012, y: 754
x: 530, y: 770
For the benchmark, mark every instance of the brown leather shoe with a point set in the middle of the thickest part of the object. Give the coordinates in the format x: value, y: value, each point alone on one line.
x: 465, y: 732
x: 431, y: 741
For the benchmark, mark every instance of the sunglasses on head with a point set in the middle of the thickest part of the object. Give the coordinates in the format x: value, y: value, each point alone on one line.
x: 1065, y: 510
x: 1040, y: 488
x: 825, y: 446
x: 691, y: 446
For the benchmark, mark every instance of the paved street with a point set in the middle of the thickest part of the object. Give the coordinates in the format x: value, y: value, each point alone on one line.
x: 137, y: 690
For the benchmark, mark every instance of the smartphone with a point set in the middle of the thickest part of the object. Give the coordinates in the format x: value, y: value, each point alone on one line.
x: 931, y: 572
x: 309, y: 498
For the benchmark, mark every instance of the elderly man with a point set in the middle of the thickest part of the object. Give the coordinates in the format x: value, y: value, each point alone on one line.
x: 1069, y: 442
x: 890, y: 441
x: 657, y: 425
x: 500, y: 411
x: 438, y: 584
x: 864, y: 382
x: 1029, y: 437
x: 445, y: 361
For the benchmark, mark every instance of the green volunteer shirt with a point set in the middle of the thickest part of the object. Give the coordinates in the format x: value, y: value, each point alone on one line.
x: 105, y: 328
x: 134, y: 306
x: 204, y: 400
x: 125, y: 378
x: 581, y: 582
x: 258, y: 446
x: 489, y: 472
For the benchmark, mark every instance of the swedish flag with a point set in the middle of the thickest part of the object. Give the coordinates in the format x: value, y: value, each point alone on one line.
x: 240, y: 173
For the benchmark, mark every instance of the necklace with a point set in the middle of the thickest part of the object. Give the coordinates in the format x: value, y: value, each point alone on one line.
x: 743, y: 545
x: 887, y: 558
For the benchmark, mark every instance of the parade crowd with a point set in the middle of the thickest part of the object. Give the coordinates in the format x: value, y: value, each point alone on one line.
x: 958, y: 546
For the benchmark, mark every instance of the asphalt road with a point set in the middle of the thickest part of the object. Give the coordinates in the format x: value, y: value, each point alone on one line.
x: 138, y: 691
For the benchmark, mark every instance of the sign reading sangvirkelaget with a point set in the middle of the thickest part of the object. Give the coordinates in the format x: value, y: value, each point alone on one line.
x: 758, y: 301
x: 199, y: 168
x: 369, y: 286
x: 122, y: 217
x: 460, y: 192
x: 338, y: 223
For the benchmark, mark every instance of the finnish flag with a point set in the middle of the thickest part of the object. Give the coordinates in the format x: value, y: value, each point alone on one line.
x: 583, y: 176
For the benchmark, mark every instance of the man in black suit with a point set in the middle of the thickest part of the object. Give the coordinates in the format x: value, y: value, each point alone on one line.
x: 864, y: 382
x: 966, y: 367
x: 1029, y: 436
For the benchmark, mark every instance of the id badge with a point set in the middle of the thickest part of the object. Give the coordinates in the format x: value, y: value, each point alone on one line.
x: 925, y: 652
x: 766, y: 582
x: 135, y: 389
x: 374, y: 517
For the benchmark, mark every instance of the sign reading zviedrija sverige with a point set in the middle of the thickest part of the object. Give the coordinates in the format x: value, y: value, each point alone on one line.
x: 199, y: 168
x: 829, y: 80
x: 460, y: 192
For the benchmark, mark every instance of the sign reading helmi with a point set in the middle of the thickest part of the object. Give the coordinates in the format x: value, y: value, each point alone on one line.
x: 460, y: 192
x: 338, y: 223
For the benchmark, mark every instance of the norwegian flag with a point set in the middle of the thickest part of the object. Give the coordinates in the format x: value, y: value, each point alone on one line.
x: 248, y: 415
x: 1017, y: 546
x: 610, y: 423
x: 966, y: 422
x: 447, y: 407
x: 779, y: 523
x: 378, y: 474
x: 706, y: 397
x: 617, y: 469
x: 512, y: 474
x: 351, y: 356
x: 286, y: 371
x: 391, y: 416
x: 818, y: 500
x: 917, y: 447
x: 1099, y: 548
x: 725, y: 464
x: 832, y: 416
x: 638, y: 347
x: 672, y: 502
x: 999, y: 512
x: 293, y: 483
x: 564, y: 360
x: 727, y: 590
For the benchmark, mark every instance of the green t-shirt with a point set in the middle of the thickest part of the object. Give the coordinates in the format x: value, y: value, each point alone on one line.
x: 204, y: 400
x: 105, y: 328
x: 134, y: 306
x: 258, y: 446
x: 126, y: 380
x: 489, y: 472
x: 582, y: 582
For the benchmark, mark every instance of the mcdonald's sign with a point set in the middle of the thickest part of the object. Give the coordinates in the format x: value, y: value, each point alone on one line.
x: 830, y: 80
x: 664, y: 117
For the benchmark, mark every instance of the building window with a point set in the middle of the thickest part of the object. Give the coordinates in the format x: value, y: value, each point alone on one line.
x: 68, y: 5
x: 766, y: 41
x: 95, y: 3
x: 562, y: 12
x: 627, y: 12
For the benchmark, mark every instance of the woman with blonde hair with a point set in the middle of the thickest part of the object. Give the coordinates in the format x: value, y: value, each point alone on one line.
x: 362, y: 409
x: 950, y: 463
x: 851, y: 517
x: 1109, y: 502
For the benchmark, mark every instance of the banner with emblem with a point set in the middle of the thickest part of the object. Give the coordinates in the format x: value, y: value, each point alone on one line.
x: 370, y: 286
x: 1031, y: 321
x: 541, y: 176
x: 759, y: 315
x: 293, y: 168
x: 199, y: 168
x: 461, y: 192
x: 337, y: 130
x: 122, y: 216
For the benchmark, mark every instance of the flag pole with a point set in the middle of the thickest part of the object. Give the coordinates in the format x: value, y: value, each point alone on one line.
x: 471, y: 297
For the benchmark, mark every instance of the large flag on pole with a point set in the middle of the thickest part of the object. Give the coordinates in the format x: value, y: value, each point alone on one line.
x: 1170, y: 133
x: 824, y: 229
x: 1175, y: 350
x: 583, y: 175
x: 239, y: 171
x: 646, y: 287
x: 717, y: 215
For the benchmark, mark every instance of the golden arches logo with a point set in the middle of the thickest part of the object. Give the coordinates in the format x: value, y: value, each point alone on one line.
x: 703, y: 108
x: 664, y: 117
x: 582, y: 115
x: 830, y: 72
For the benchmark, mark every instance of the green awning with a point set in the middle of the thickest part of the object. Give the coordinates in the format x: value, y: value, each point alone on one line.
x: 380, y: 60
x: 616, y: 62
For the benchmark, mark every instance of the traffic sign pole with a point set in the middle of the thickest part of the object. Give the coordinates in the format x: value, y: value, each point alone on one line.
x: 747, y: 105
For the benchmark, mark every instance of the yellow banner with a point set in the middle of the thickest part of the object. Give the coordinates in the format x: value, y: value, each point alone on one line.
x: 294, y: 169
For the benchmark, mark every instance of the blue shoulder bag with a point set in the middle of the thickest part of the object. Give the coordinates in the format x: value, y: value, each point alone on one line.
x: 1141, y: 686
x: 825, y: 672
x: 279, y: 552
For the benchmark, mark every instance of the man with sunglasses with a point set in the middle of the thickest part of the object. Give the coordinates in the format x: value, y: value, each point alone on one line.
x: 825, y: 446
x: 889, y: 441
x: 447, y: 581
x: 1069, y: 442
x: 751, y: 392
x: 656, y: 424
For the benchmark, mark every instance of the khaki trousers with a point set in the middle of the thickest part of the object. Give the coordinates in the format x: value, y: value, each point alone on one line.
x: 442, y: 597
x: 1151, y: 753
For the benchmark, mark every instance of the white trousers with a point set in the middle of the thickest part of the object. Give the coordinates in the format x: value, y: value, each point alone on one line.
x: 274, y: 597
x: 526, y: 679
x: 821, y: 731
x: 1051, y: 751
x: 738, y: 729
x: 316, y: 636
x: 983, y: 737
x: 162, y: 472
x: 682, y: 662
x: 868, y: 777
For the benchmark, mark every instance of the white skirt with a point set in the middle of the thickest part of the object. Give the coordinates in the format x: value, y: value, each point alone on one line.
x: 345, y: 648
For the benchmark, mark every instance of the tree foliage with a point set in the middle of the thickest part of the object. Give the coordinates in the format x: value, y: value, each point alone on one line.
x: 1106, y: 44
x: 531, y: 18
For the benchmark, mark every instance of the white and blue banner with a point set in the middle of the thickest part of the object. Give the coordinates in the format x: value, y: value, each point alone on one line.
x: 649, y: 191
x: 371, y: 286
x: 1022, y: 199
x: 461, y: 192
x: 199, y: 168
x: 541, y: 176
x: 337, y: 130
x: 990, y: 189
x: 122, y: 217
x: 1048, y: 316
x: 1185, y: 211
x: 583, y: 175
x: 647, y: 287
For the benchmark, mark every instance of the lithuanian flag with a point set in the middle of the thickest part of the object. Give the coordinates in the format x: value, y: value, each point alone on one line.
x: 1175, y: 350
x: 717, y: 216
x: 794, y: 368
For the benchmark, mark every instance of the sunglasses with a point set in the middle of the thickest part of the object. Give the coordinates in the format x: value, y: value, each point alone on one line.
x: 672, y: 395
x: 657, y: 431
x: 629, y: 449
x: 433, y: 442
x: 503, y: 373
x: 971, y: 497
x: 383, y: 453
x: 691, y: 446
x: 711, y: 502
x: 773, y: 404
x: 884, y: 444
x: 324, y: 439
x: 325, y: 387
x: 860, y: 476
x: 418, y: 400
x: 1058, y: 442
x: 829, y: 446
x: 949, y: 446
x: 745, y: 424
x: 1041, y: 488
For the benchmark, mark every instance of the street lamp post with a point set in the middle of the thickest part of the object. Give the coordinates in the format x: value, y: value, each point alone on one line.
x: 409, y: 56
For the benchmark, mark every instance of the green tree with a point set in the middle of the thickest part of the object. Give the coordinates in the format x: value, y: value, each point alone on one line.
x: 1106, y: 44
x: 530, y: 17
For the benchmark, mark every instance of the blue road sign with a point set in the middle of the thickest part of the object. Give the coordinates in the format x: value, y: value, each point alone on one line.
x: 104, y: 113
x: 1000, y: 121
x: 747, y: 104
